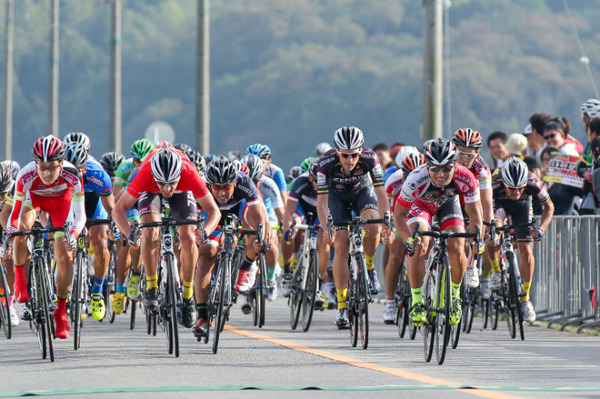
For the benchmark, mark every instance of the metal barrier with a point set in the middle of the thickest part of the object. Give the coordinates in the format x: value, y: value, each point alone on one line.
x: 566, y: 273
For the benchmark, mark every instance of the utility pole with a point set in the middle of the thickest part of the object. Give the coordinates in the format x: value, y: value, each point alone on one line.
x: 115, y: 77
x: 8, y: 94
x: 203, y: 78
x: 432, y: 70
x: 54, y: 63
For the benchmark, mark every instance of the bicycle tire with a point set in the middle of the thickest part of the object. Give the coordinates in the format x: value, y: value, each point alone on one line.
x: 262, y: 269
x: 456, y: 330
x: 133, y: 306
x: 515, y: 294
x: 443, y: 323
x: 171, y: 307
x: 236, y: 262
x: 46, y: 314
x: 4, y: 309
x: 296, y: 294
x: 508, y: 305
x: 403, y: 309
x: 352, y: 304
x: 310, y: 291
x: 362, y: 316
x: 474, y: 300
x: 111, y: 281
x: 428, y: 328
x: 219, y: 303
x: 227, y: 297
x: 76, y: 299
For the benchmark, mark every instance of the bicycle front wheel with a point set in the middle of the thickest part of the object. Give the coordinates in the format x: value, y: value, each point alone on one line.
x: 363, y: 300
x: 296, y: 294
x: 218, y: 303
x: 514, y: 290
x: 77, y: 298
x: 310, y: 290
x: 43, y: 292
x: 262, y: 291
x: 171, y: 308
x: 4, y: 310
x: 428, y: 330
x: 111, y: 282
x: 444, y: 293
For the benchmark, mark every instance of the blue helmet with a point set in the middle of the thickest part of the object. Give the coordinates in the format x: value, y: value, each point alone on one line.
x: 262, y: 150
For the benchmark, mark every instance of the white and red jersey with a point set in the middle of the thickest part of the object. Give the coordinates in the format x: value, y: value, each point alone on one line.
x: 418, y: 186
x: 190, y: 179
x: 62, y: 199
x: 482, y: 173
x: 393, y: 186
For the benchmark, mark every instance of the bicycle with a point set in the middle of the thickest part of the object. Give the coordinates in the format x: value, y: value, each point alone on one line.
x: 109, y: 287
x: 471, y: 299
x: 359, y: 293
x: 404, y: 301
x: 258, y: 293
x: 5, y: 292
x: 169, y: 297
x: 437, y: 291
x: 507, y: 300
x: 41, y: 294
x: 305, y: 278
x: 80, y: 290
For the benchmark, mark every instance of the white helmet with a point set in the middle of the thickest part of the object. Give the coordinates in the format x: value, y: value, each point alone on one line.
x: 404, y: 152
x: 322, y: 148
x: 166, y: 165
x: 514, y: 173
x: 79, y: 138
x: 590, y: 108
x: 348, y: 138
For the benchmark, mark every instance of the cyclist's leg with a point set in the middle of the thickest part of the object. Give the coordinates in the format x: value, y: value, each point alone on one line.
x: 366, y: 205
x: 207, y: 255
x: 21, y: 255
x: 420, y: 216
x: 149, y: 205
x: 392, y: 270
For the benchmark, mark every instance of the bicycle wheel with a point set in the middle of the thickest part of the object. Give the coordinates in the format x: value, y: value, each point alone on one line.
x: 296, y: 294
x: 171, y: 308
x: 428, y: 330
x: 455, y: 330
x: 508, y: 306
x: 444, y: 294
x: 76, y: 298
x: 403, y: 310
x: 352, y: 303
x: 4, y: 310
x: 111, y: 282
x: 45, y: 305
x: 236, y: 262
x: 515, y: 294
x: 133, y: 306
x: 362, y: 305
x: 310, y: 290
x: 262, y: 291
x: 219, y: 304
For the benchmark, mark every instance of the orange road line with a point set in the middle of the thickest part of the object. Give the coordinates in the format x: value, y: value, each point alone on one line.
x: 371, y: 366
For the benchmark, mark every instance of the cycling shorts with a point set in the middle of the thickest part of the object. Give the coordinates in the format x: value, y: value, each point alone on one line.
x: 518, y: 212
x: 239, y: 210
x: 183, y: 205
x: 53, y: 206
x: 303, y: 216
x: 133, y: 214
x: 93, y: 206
x: 447, y: 214
x: 341, y: 205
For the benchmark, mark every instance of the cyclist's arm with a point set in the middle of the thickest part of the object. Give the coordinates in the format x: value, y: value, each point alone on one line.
x: 78, y: 209
x: 382, y: 200
x: 547, y: 213
x: 108, y: 202
x: 5, y: 214
x: 213, y: 214
x: 400, y: 214
x: 288, y: 214
x: 120, y: 212
x: 487, y: 204
x: 257, y: 213
x: 474, y: 212
x: 323, y: 208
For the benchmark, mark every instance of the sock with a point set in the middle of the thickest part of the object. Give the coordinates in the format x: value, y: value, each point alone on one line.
x: 456, y: 290
x: 188, y: 289
x: 417, y: 295
x: 370, y: 259
x: 97, y: 287
x: 202, y: 311
x: 495, y: 265
x: 246, y: 263
x: 152, y: 281
x: 485, y: 273
x: 342, y: 295
x: 526, y: 288
x: 121, y: 288
x: 270, y: 273
x: 390, y: 302
x: 293, y: 263
x: 61, y: 303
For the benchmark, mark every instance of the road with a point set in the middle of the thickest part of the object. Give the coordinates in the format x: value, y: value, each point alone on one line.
x: 276, y: 360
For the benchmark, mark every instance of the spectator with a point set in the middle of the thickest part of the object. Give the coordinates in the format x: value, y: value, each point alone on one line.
x: 547, y: 154
x: 535, y: 146
x: 596, y: 171
x: 537, y: 122
x: 584, y: 167
x: 498, y: 152
x: 556, y: 134
x: 516, y: 145
x: 383, y: 153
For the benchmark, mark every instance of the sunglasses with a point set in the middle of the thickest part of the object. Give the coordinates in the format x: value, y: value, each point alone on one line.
x: 222, y: 187
x: 467, y: 155
x: 549, y: 136
x: 167, y: 184
x: 516, y: 188
x: 445, y: 168
x: 351, y: 155
x: 50, y: 168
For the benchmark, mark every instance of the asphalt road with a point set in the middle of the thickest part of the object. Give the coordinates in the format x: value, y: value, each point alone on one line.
x: 253, y: 362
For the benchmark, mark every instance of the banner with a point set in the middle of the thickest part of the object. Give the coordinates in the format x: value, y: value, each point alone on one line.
x: 561, y: 169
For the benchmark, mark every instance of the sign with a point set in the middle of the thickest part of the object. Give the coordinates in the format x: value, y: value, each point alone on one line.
x: 561, y: 169
x: 159, y: 131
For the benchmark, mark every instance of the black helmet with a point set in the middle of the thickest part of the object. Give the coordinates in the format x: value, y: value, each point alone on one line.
x: 110, y: 161
x: 221, y: 171
x: 441, y: 152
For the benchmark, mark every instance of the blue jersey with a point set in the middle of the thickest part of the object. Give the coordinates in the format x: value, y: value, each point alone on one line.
x: 96, y: 179
x: 389, y: 171
x: 275, y: 173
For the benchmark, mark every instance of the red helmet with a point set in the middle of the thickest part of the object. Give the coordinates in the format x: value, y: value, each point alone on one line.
x: 48, y: 149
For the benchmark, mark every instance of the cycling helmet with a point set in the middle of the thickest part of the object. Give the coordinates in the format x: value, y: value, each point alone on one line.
x: 262, y: 150
x: 467, y: 137
x: 590, y: 108
x: 140, y: 148
x: 312, y: 170
x: 348, y: 138
x: 48, y: 149
x: 221, y: 171
x: 166, y: 165
x: 322, y: 148
x: 6, y: 178
x: 241, y: 167
x: 514, y: 173
x: 110, y: 161
x: 77, y: 155
x: 78, y: 138
x: 425, y: 144
x: 294, y: 172
x: 306, y: 163
x: 441, y: 152
x: 404, y: 152
x: 14, y: 168
x: 184, y: 148
x: 411, y: 162
x: 196, y: 158
x: 256, y: 167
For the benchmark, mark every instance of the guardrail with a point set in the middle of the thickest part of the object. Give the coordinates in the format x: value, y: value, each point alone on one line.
x: 566, y: 276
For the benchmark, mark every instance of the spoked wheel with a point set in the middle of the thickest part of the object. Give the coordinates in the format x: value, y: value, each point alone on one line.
x: 219, y: 305
x: 45, y: 307
x: 352, y: 302
x: 403, y: 309
x: 262, y: 289
x: 485, y: 311
x: 310, y: 292
x: 132, y: 307
x: 76, y: 299
x: 514, y: 291
x: 4, y: 310
x: 296, y: 295
x: 363, y: 301
x: 496, y: 310
x: 151, y: 322
x: 111, y: 284
x: 255, y: 300
x: 171, y: 309
x: 443, y: 315
x: 429, y: 328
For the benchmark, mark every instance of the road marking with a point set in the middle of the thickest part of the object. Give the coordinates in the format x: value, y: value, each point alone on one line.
x: 371, y: 366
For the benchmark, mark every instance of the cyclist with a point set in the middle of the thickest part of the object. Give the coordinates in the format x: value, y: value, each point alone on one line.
x: 126, y: 254
x: 271, y: 170
x: 99, y: 202
x: 110, y: 162
x: 7, y: 187
x: 14, y: 168
x: 274, y: 204
x: 514, y: 186
x: 52, y: 185
x: 432, y: 190
x: 349, y: 179
x: 393, y: 185
x: 302, y: 201
x: 167, y: 174
x: 321, y: 149
x: 235, y: 195
x: 468, y: 143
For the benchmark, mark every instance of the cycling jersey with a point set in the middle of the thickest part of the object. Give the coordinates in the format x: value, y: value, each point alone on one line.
x: 52, y: 198
x: 276, y: 173
x: 9, y: 195
x: 123, y: 172
x: 96, y: 183
x: 331, y: 175
x: 271, y: 196
x: 393, y: 186
x: 482, y: 173
x: 534, y: 187
x: 304, y: 193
